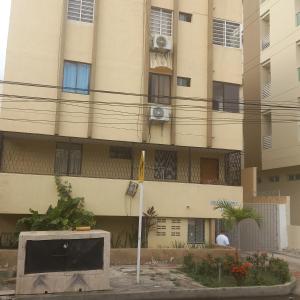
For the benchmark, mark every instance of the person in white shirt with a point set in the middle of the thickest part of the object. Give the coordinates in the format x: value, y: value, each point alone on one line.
x: 222, y: 239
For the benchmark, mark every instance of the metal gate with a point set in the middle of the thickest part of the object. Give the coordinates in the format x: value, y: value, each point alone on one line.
x: 263, y: 238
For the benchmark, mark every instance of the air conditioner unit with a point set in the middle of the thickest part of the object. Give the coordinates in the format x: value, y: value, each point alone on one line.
x: 162, y: 43
x: 160, y: 113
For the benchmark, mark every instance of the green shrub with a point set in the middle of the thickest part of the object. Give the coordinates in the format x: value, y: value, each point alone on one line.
x: 188, y: 263
x: 256, y: 270
x: 280, y: 269
x: 69, y: 213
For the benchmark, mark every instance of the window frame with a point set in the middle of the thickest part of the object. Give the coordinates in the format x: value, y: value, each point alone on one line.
x: 81, y: 18
x: 76, y: 90
x: 157, y: 98
x: 165, y: 31
x: 117, y: 150
x: 68, y: 148
x: 188, y: 79
x: 224, y: 32
x: 157, y: 175
x: 184, y: 14
x: 195, y: 241
x: 223, y: 97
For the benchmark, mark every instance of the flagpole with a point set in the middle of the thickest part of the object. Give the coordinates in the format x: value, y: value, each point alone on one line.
x: 141, y: 204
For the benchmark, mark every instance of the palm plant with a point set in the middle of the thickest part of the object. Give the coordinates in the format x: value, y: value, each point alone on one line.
x: 233, y: 215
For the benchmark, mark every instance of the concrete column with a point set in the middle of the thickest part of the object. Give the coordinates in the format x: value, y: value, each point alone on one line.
x: 146, y: 59
x: 209, y: 72
x: 60, y: 67
x: 93, y: 73
x: 212, y: 231
x: 174, y: 78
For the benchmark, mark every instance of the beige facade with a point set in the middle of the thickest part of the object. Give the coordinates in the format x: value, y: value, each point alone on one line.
x: 41, y: 117
x: 272, y: 124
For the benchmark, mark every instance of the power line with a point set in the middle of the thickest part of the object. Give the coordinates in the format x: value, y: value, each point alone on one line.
x: 233, y: 101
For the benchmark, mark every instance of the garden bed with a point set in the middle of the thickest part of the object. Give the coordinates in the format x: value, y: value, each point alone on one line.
x: 255, y: 270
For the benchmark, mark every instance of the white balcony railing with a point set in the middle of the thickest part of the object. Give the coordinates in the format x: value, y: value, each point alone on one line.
x: 267, y: 142
x: 266, y: 90
x: 265, y: 42
x: 298, y: 18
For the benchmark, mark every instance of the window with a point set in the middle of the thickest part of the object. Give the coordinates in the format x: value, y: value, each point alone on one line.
x: 120, y: 152
x: 76, y: 78
x: 159, y: 89
x: 226, y: 33
x: 274, y: 178
x: 185, y: 17
x: 161, y: 21
x: 267, y: 130
x: 81, y: 10
x: 226, y: 97
x: 196, y: 231
x: 165, y: 165
x: 184, y: 81
x: 68, y: 159
x: 294, y: 177
x: 161, y: 227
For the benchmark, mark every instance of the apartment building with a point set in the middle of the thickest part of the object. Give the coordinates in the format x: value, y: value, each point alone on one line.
x: 272, y: 90
x: 89, y: 84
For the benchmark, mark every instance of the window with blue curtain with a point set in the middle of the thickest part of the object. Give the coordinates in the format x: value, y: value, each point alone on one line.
x: 76, y: 77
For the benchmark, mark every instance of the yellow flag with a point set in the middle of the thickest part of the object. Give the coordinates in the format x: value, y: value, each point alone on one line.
x: 141, y: 176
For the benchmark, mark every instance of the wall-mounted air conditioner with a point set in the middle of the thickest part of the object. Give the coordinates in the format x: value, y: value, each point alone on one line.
x: 163, y: 43
x: 160, y: 113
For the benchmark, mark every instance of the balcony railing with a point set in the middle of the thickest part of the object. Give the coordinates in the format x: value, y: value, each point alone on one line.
x: 298, y: 19
x: 267, y: 142
x: 162, y: 164
x: 266, y: 90
x: 265, y: 43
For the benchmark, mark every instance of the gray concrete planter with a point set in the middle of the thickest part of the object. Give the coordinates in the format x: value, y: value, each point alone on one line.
x: 202, y: 293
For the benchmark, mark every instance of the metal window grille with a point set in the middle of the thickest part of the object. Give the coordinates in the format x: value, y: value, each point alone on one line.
x: 68, y: 159
x: 93, y: 161
x: 227, y: 34
x: 165, y: 165
x: 161, y: 21
x: 267, y: 142
x: 196, y: 231
x: 81, y: 10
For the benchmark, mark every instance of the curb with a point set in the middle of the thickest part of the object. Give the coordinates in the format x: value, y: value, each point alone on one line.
x: 203, y: 293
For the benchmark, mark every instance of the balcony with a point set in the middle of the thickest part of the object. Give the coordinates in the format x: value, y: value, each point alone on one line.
x: 267, y: 142
x: 266, y: 90
x: 298, y: 19
x: 265, y: 43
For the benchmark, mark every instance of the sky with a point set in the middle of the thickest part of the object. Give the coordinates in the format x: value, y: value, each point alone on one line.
x: 4, y: 23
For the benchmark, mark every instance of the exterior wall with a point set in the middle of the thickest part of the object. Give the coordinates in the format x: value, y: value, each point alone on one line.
x: 282, y: 158
x: 284, y: 187
x: 283, y: 52
x: 36, y: 55
x: 106, y: 197
x: 294, y: 237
